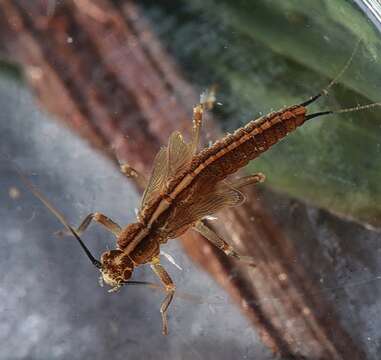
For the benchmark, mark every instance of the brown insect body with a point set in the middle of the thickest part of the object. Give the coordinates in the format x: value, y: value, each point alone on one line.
x: 184, y: 187
x: 206, y: 169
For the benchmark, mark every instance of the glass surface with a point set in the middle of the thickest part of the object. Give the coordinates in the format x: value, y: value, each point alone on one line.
x: 323, y: 189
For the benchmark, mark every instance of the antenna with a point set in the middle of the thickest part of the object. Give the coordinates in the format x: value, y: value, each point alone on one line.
x: 55, y: 212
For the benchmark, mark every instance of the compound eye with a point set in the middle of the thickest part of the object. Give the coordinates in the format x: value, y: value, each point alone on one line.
x: 127, y: 274
x: 128, y: 268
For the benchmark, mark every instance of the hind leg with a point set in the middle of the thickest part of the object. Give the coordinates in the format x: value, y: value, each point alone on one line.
x: 247, y: 180
x: 207, y: 100
x: 217, y: 241
x: 130, y: 172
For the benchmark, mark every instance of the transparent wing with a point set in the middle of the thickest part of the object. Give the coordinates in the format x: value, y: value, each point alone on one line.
x: 201, y: 206
x: 169, y: 161
x: 179, y: 154
x: 158, y: 176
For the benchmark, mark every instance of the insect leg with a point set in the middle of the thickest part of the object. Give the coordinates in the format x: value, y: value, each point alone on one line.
x: 130, y: 172
x: 198, y: 111
x: 98, y: 217
x: 210, y: 235
x: 207, y: 100
x: 247, y: 180
x: 169, y: 288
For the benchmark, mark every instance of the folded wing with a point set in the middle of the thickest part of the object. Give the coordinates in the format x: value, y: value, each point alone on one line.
x: 203, y: 204
x: 169, y: 162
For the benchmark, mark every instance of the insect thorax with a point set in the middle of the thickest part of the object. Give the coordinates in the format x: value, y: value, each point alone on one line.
x: 139, y: 243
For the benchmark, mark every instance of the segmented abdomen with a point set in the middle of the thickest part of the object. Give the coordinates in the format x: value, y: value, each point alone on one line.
x: 234, y: 151
x: 223, y: 158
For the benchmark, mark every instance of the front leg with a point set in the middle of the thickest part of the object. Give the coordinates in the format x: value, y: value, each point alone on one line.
x: 169, y: 288
x: 98, y: 217
x: 210, y: 235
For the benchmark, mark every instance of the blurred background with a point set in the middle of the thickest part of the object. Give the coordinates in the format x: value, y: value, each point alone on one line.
x: 87, y: 84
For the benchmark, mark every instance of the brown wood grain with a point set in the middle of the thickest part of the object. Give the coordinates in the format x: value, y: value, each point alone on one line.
x: 97, y: 66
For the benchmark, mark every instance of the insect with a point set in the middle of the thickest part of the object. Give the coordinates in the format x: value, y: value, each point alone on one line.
x: 187, y: 185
